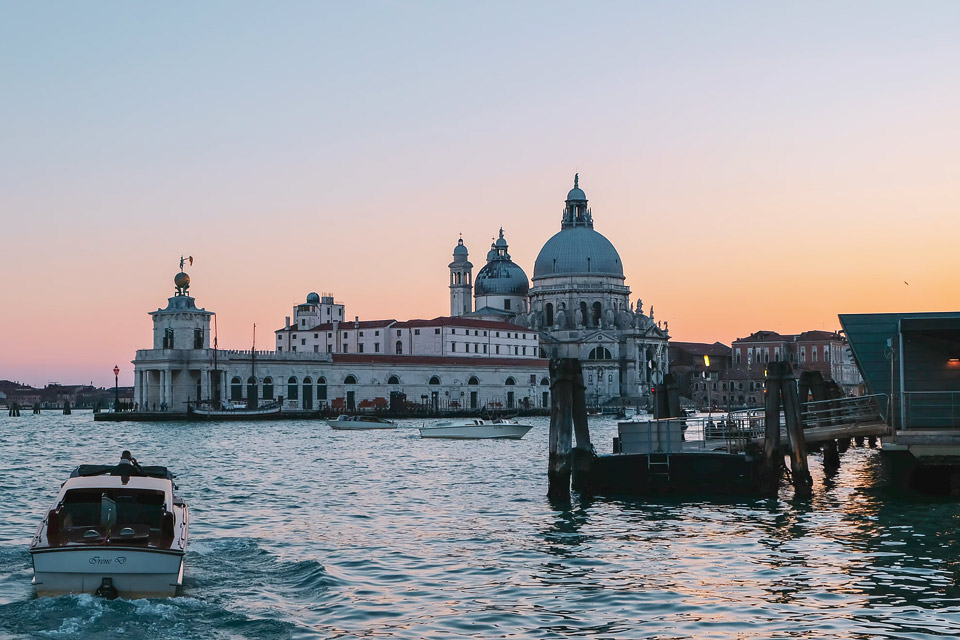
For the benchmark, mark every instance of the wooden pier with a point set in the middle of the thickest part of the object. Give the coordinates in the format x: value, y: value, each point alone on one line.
x: 739, y: 453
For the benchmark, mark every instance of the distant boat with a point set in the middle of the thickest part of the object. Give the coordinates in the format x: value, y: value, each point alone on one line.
x: 356, y: 423
x: 476, y: 429
x: 235, y: 413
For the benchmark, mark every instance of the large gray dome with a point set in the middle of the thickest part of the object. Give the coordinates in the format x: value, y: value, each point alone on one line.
x: 578, y: 250
x: 501, y: 278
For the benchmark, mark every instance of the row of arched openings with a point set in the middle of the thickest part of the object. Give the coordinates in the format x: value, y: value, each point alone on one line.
x: 293, y: 385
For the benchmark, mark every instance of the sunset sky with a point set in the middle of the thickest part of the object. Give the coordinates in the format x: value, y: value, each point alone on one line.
x: 758, y: 165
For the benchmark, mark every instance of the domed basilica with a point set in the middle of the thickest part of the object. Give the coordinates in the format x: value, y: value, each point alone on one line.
x: 579, y: 304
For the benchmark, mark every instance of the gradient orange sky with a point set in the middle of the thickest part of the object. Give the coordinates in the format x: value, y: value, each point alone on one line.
x: 757, y: 165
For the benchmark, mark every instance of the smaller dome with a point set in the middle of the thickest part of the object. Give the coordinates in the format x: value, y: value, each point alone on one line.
x: 501, y: 277
x: 182, y: 280
x: 576, y: 194
x: 313, y: 298
x: 460, y: 249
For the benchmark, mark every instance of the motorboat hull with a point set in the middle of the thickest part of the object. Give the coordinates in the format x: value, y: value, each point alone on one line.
x: 477, y: 432
x: 135, y: 573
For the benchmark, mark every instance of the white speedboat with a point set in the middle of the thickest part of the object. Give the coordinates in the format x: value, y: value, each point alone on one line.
x: 476, y: 429
x: 353, y: 423
x: 113, y: 531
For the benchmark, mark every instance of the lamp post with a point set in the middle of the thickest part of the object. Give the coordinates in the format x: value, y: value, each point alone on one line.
x: 116, y: 388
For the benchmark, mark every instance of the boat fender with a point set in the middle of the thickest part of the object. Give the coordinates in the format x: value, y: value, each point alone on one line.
x: 106, y: 589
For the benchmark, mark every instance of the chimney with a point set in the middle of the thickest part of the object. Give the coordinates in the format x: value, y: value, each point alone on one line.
x: 288, y: 322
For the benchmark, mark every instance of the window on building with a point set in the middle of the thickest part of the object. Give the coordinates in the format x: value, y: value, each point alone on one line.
x: 293, y: 391
x: 434, y: 380
x: 436, y: 331
x: 453, y: 347
x: 498, y: 349
x: 473, y: 380
x: 198, y: 338
x: 376, y: 333
x: 548, y: 311
x: 351, y: 379
x: 484, y: 348
x: 293, y: 348
x: 600, y: 353
x: 321, y: 388
x: 268, y: 388
x: 453, y: 332
x: 813, y: 353
x: 398, y: 333
x: 510, y: 381
x: 279, y: 349
x: 393, y: 380
x: 360, y: 348
x: 399, y: 346
x: 506, y: 305
x: 168, y: 338
x: 476, y: 348
x: 416, y: 332
x: 376, y: 347
x: 516, y: 351
x: 316, y: 348
x: 303, y: 341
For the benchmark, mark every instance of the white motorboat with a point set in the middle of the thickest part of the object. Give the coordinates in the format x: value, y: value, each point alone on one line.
x: 113, y: 531
x: 354, y: 423
x: 476, y: 429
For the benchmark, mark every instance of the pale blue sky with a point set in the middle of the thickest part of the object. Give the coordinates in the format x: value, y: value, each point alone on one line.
x: 317, y: 146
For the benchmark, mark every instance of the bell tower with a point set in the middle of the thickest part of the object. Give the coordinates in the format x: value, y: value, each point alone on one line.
x: 461, y: 281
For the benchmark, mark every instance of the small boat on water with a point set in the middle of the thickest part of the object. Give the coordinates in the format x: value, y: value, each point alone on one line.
x: 355, y: 423
x: 235, y: 413
x: 113, y: 531
x: 476, y: 429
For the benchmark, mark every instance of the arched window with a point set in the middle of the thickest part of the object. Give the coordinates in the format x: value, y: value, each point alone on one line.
x: 473, y: 380
x: 583, y: 313
x: 597, y: 312
x: 600, y: 353
x: 350, y: 380
x: 434, y: 380
x: 321, y: 388
x: 399, y: 348
x: 548, y: 309
x: 293, y: 391
x: 268, y: 388
x: 236, y: 390
x: 545, y: 382
x: 393, y: 380
x: 510, y: 381
x: 252, y: 387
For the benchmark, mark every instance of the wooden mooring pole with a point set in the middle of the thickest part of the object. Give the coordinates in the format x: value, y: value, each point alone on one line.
x: 772, y: 454
x: 802, y: 482
x: 781, y: 391
x: 563, y: 380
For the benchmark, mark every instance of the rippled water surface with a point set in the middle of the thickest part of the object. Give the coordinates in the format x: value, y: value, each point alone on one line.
x: 301, y: 531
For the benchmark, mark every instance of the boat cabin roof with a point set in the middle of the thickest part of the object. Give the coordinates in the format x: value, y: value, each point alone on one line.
x: 116, y: 483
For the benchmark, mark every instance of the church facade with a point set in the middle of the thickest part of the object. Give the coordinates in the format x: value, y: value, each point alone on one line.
x: 579, y: 305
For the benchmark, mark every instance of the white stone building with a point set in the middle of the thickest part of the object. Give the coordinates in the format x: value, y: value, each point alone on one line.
x: 444, y: 363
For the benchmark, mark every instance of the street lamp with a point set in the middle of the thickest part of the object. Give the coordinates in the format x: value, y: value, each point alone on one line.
x: 116, y: 388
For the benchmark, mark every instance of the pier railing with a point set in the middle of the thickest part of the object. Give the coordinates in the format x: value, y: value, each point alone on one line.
x: 931, y: 410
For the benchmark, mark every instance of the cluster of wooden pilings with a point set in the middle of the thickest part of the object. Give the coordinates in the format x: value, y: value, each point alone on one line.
x: 780, y: 389
x: 783, y: 397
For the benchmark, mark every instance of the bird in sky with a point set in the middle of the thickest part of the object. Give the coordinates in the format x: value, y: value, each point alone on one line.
x: 906, y: 283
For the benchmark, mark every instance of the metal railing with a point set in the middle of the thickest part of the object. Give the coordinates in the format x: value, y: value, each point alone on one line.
x: 931, y: 410
x: 843, y: 411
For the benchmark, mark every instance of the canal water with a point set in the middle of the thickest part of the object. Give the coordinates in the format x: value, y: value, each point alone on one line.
x: 299, y: 531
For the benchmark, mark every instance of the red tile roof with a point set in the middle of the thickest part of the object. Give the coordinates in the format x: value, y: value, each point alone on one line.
x: 450, y: 321
x: 372, y: 358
